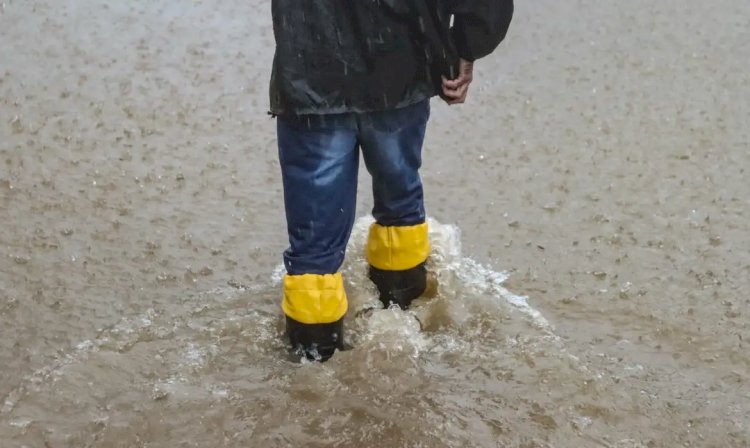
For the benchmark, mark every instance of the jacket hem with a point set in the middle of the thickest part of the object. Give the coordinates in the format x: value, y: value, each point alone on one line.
x: 417, y: 98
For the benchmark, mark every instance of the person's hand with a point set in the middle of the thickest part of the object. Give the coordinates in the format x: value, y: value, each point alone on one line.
x: 455, y: 90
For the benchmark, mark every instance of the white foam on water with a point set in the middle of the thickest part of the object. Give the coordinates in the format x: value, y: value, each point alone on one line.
x: 194, y: 355
x: 393, y: 330
x: 278, y: 275
x: 472, y: 271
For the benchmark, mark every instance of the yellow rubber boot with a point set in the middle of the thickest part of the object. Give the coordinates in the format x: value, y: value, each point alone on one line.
x: 315, y: 306
x: 397, y: 256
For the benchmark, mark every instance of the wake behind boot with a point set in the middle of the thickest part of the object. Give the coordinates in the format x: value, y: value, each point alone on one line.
x: 315, y: 306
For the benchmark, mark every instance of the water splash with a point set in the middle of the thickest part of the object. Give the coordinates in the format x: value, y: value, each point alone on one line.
x: 460, y: 279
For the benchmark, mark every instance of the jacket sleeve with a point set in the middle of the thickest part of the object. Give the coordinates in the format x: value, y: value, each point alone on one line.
x: 480, y: 26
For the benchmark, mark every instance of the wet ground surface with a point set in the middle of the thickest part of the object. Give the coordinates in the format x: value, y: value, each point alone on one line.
x: 596, y: 180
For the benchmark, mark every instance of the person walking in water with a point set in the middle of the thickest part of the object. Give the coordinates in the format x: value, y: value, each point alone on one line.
x: 358, y: 75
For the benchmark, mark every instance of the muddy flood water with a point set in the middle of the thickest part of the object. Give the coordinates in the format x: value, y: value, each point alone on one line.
x: 590, y: 222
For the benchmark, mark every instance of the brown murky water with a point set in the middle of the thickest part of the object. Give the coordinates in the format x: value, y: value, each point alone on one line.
x: 598, y: 179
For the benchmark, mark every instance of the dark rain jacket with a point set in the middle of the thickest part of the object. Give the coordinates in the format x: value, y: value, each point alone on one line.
x: 335, y: 56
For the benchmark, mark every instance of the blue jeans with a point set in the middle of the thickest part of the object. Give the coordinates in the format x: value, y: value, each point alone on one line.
x: 319, y: 157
